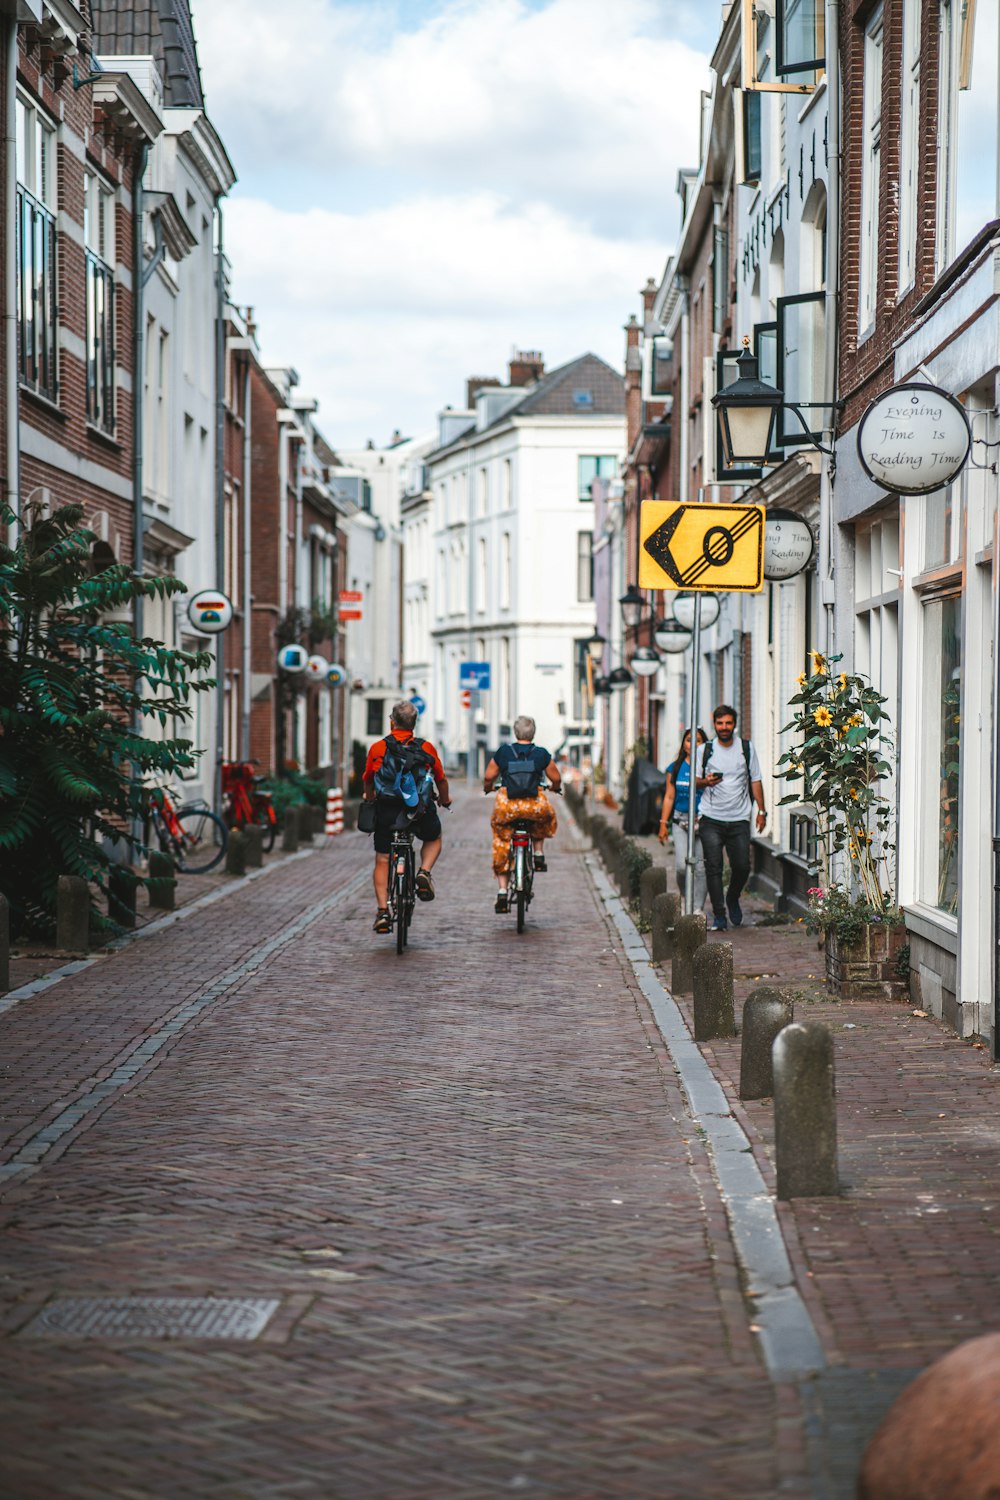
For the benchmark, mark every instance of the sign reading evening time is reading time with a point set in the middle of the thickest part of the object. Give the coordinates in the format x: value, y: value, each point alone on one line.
x: 913, y: 439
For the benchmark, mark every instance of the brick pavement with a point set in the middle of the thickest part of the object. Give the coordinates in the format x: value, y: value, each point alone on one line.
x: 468, y: 1174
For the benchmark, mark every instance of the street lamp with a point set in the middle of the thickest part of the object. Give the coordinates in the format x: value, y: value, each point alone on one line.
x: 619, y: 679
x: 645, y: 661
x: 633, y: 606
x: 671, y: 637
x: 684, y: 608
x: 602, y: 687
x: 595, y: 647
x: 747, y: 409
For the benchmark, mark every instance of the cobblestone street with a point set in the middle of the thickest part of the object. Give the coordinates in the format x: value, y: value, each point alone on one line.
x: 468, y: 1177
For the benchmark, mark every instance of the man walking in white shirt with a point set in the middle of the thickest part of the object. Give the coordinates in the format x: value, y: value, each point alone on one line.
x: 730, y: 783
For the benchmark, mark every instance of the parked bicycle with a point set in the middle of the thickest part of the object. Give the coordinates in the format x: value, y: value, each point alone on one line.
x: 191, y: 833
x: 402, y: 885
x: 245, y: 802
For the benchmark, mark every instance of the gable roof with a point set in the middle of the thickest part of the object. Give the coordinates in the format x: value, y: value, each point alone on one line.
x: 162, y: 29
x: 563, y: 392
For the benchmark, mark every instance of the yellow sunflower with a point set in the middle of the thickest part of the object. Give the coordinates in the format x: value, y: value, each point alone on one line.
x: 843, y: 681
x: 801, y: 679
x: 823, y: 717
x: 819, y: 663
x: 854, y: 794
x: 855, y: 720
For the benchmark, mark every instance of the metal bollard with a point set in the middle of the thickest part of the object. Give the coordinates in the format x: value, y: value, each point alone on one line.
x: 253, y: 839
x: 690, y: 933
x: 712, y: 986
x: 72, y: 914
x: 162, y: 882
x: 805, y: 1114
x: 766, y: 1011
x: 236, y: 853
x: 666, y: 910
x: 652, y: 883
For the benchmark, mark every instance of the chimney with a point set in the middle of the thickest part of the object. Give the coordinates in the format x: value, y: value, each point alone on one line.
x: 477, y: 383
x: 526, y: 366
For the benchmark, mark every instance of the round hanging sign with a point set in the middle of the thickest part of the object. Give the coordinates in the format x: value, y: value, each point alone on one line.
x: 419, y: 703
x: 210, y: 611
x: 293, y: 658
x: 336, y: 675
x: 914, y: 438
x: 317, y: 668
x: 788, y: 545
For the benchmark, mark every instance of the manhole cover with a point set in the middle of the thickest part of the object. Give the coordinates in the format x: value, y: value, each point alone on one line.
x: 153, y: 1317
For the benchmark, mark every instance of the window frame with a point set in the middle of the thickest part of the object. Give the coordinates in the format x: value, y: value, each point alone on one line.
x: 750, y: 80
x: 794, y: 437
x: 871, y: 174
x: 37, y: 205
x: 101, y: 329
x: 785, y: 69
x: 597, y: 459
x: 584, y: 567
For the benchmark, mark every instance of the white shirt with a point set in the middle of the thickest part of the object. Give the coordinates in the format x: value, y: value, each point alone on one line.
x: 729, y: 800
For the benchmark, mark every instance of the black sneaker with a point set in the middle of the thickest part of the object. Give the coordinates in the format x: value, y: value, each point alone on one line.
x: 735, y: 913
x: 382, y: 922
x: 502, y: 903
x: 539, y: 864
x: 720, y: 925
x: 425, y: 886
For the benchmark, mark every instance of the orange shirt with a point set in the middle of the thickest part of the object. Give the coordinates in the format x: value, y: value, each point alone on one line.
x: 376, y: 755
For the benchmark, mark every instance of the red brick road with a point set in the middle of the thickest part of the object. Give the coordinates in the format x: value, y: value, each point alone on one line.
x: 468, y: 1174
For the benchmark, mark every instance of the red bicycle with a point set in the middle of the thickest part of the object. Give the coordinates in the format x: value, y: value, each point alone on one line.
x: 191, y: 834
x: 245, y: 802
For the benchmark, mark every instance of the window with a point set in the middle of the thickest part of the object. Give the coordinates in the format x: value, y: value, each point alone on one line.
x: 505, y: 580
x: 974, y: 137
x: 799, y: 376
x: 661, y: 365
x: 36, y: 250
x: 720, y: 278
x: 799, y: 42
x: 99, y: 241
x: 508, y: 491
x: 484, y: 492
x: 376, y: 707
x: 506, y: 696
x: 584, y: 566
x: 942, y: 620
x: 909, y: 146
x: 482, y: 576
x: 749, y: 154
x: 945, y: 137
x: 603, y: 466
x: 871, y: 175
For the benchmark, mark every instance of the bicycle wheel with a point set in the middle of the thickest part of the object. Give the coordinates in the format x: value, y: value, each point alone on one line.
x: 519, y: 879
x: 264, y: 817
x: 203, y: 840
x: 401, y: 912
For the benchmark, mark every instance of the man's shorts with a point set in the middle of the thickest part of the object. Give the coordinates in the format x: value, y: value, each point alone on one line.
x: 425, y: 828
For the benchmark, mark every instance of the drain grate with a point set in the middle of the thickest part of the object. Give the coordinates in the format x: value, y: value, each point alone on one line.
x: 153, y: 1318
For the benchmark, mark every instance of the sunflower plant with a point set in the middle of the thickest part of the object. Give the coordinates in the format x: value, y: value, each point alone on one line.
x: 840, y: 767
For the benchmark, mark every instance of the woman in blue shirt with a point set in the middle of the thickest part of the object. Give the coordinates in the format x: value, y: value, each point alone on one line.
x: 677, y: 807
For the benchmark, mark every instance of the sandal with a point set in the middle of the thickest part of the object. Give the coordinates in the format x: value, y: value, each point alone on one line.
x: 502, y: 903
x: 425, y: 886
x: 539, y: 864
x: 382, y: 921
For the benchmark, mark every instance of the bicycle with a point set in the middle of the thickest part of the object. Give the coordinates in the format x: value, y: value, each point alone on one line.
x: 521, y: 865
x: 245, y: 802
x: 402, y: 885
x: 192, y: 834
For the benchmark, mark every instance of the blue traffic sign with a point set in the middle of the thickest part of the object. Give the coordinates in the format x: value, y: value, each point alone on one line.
x: 418, y: 703
x: 475, y: 675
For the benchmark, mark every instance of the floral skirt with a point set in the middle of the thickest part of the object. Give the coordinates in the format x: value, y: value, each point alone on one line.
x: 538, y: 811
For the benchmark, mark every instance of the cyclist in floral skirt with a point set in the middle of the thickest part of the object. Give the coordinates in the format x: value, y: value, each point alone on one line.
x: 520, y: 768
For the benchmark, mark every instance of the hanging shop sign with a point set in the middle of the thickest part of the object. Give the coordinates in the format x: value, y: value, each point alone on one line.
x: 789, y: 545
x: 713, y: 548
x: 210, y: 611
x: 914, y: 438
x: 316, y: 668
x: 336, y: 675
x: 293, y: 658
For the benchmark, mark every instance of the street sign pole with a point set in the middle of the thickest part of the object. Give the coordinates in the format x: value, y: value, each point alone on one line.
x: 470, y: 773
x: 689, y: 862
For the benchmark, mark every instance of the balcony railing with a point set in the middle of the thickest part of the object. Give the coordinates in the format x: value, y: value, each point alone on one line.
x: 36, y: 295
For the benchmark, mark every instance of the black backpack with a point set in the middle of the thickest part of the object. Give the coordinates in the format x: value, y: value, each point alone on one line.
x: 406, y: 774
x: 521, y: 775
x: 706, y: 756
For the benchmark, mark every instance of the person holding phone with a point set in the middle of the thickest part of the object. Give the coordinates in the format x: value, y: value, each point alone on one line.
x: 729, y: 780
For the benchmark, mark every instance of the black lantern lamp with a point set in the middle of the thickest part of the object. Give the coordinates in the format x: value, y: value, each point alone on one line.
x: 620, y: 679
x: 747, y: 409
x: 595, y: 647
x: 645, y: 662
x: 671, y: 637
x: 602, y: 687
x: 633, y: 606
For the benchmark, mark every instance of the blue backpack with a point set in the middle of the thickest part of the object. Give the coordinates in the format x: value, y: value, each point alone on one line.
x: 406, y: 775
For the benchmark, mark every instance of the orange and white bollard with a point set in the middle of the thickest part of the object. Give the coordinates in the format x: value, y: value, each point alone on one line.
x: 334, y: 812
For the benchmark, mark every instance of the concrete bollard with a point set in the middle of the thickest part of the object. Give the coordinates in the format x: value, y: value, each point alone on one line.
x: 4, y: 944
x: 689, y: 935
x: 162, y: 882
x: 805, y: 1113
x: 253, y: 839
x: 666, y: 910
x: 940, y: 1439
x: 122, y: 888
x: 72, y: 914
x: 290, y: 831
x: 303, y: 816
x: 766, y: 1011
x: 236, y: 853
x: 652, y: 883
x: 712, y: 987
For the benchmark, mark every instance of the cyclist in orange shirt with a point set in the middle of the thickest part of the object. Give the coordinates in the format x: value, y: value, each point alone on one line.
x: 381, y: 786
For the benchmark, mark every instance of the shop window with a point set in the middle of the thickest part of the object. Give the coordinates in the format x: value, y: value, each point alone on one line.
x: 942, y: 619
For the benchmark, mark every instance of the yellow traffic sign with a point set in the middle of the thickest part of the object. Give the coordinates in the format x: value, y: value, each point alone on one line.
x: 717, y: 548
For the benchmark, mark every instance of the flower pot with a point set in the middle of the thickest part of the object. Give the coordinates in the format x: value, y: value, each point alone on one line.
x: 867, y: 969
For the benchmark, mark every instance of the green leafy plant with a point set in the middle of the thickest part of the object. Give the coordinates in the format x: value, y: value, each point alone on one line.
x: 636, y: 859
x: 840, y: 767
x: 76, y: 688
x: 835, y: 910
x: 291, y: 788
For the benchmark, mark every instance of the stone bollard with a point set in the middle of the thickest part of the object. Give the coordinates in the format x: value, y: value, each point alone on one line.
x: 162, y: 883
x: 652, y: 883
x: 236, y: 853
x: 253, y: 839
x: 689, y: 935
x: 666, y: 910
x: 940, y: 1439
x: 712, y: 986
x: 766, y: 1011
x: 290, y: 831
x: 303, y: 817
x: 805, y: 1114
x: 122, y: 888
x: 4, y: 944
x: 72, y: 914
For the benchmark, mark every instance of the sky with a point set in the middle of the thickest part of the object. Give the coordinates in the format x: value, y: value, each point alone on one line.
x: 425, y: 185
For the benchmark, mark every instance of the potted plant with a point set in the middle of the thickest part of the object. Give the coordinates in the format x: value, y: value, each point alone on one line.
x: 840, y: 768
